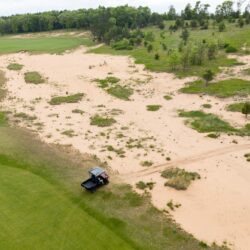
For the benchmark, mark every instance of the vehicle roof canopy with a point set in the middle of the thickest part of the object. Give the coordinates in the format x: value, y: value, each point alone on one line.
x: 96, y: 171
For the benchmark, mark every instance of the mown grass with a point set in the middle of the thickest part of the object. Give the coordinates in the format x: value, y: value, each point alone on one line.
x: 42, y: 44
x: 100, y: 121
x: 235, y: 107
x: 179, y: 179
x: 57, y: 100
x: 33, y: 77
x: 15, y: 66
x: 44, y: 206
x: 223, y: 89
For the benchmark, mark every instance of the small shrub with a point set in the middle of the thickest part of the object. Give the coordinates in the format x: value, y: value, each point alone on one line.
x: 213, y: 136
x: 170, y: 204
x: 15, y: 66
x: 157, y: 56
x: 69, y: 133
x: 78, y: 111
x: 33, y: 77
x: 167, y: 97
x: 207, y: 106
x: 153, y: 107
x: 231, y: 49
x: 146, y: 163
x: 102, y: 121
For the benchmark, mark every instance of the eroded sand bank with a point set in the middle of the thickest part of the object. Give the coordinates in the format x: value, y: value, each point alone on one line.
x: 215, y: 208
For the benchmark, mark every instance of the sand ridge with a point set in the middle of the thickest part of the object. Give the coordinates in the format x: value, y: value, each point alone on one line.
x: 214, y: 208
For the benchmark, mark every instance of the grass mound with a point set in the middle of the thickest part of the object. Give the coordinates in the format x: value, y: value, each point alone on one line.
x: 224, y: 89
x: 15, y: 66
x: 57, y: 100
x: 178, y: 178
x: 100, y: 121
x: 153, y: 107
x: 33, y: 77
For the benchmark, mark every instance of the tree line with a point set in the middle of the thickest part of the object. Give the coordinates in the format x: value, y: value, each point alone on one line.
x: 115, y: 23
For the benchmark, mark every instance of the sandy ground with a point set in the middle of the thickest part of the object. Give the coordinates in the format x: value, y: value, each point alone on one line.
x: 214, y: 208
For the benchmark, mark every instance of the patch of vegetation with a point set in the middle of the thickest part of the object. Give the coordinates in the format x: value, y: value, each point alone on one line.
x: 142, y: 185
x: 111, y: 87
x: 153, y: 107
x: 33, y: 77
x: 69, y: 133
x: 213, y: 135
x: 120, y: 152
x: 2, y: 85
x: 207, y: 106
x: 146, y: 163
x: 3, y: 119
x: 78, y: 111
x: 172, y: 206
x: 120, y: 92
x: 224, y: 89
x: 235, y: 107
x: 25, y: 116
x: 206, y: 123
x: 57, y: 100
x: 246, y: 72
x: 15, y: 66
x: 100, y: 121
x: 247, y: 156
x: 167, y: 97
x: 179, y: 179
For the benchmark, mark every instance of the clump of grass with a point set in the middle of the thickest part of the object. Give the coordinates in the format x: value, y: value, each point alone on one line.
x: 104, y: 83
x: 2, y: 84
x: 69, y: 133
x: 142, y: 185
x: 120, y: 152
x: 33, y: 77
x: 172, y: 206
x: 120, y: 92
x: 235, y: 107
x: 179, y: 179
x: 57, y: 100
x: 247, y: 71
x: 207, y: 106
x: 224, y: 89
x: 3, y: 119
x: 25, y: 116
x: 247, y: 156
x: 100, y: 121
x: 213, y: 135
x: 206, y: 123
x: 153, y: 107
x: 146, y: 163
x: 15, y: 66
x: 78, y: 111
x: 167, y: 97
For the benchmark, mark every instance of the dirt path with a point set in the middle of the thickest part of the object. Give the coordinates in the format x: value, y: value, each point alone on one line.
x: 189, y: 160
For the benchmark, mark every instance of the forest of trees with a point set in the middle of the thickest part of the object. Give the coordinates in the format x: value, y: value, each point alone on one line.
x: 114, y: 24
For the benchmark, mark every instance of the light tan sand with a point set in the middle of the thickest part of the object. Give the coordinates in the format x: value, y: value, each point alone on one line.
x: 215, y: 208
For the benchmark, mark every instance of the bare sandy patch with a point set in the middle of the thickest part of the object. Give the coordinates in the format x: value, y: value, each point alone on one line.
x: 214, y: 208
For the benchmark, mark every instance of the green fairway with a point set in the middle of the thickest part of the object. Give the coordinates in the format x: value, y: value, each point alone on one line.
x: 42, y: 44
x: 35, y: 214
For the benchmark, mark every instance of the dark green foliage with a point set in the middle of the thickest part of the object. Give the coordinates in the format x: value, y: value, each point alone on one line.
x: 231, y: 49
x: 208, y: 76
x: 246, y: 109
x: 157, y: 56
x: 153, y: 107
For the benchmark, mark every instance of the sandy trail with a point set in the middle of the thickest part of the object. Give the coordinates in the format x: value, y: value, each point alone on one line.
x: 215, y: 208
